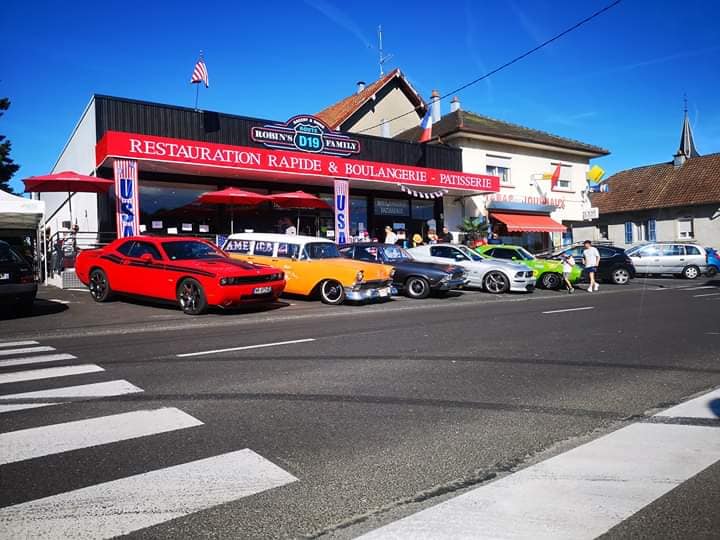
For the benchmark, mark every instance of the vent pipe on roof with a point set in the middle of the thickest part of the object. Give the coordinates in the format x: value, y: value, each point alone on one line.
x: 455, y: 104
x: 435, y: 106
x: 360, y: 86
x: 679, y: 160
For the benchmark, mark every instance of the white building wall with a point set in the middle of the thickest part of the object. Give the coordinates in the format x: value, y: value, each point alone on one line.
x: 79, y: 156
x: 393, y: 105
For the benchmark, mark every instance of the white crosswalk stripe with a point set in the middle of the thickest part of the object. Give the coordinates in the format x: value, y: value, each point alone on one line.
x: 54, y: 439
x: 48, y: 373
x: 40, y: 359
x: 25, y: 350
x: 17, y: 343
x: 80, y: 392
x: 579, y: 494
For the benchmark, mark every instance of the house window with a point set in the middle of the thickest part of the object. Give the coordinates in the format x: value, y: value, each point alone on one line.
x: 628, y: 232
x: 564, y: 182
x: 604, y: 232
x: 502, y: 172
x: 685, y: 228
x: 651, y: 235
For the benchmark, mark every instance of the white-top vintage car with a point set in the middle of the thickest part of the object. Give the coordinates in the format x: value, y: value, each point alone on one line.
x: 492, y: 275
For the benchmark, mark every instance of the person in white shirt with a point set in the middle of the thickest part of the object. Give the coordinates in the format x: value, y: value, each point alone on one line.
x: 568, y: 261
x: 591, y: 260
x: 390, y: 236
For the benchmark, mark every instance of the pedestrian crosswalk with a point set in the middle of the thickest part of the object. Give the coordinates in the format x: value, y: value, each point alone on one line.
x: 120, y: 505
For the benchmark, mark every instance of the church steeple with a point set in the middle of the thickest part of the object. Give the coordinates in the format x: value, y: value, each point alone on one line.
x: 687, y: 148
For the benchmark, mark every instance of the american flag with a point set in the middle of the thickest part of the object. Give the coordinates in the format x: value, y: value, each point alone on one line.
x: 200, y: 73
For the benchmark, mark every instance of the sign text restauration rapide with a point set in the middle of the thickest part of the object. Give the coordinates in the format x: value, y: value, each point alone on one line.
x: 144, y: 147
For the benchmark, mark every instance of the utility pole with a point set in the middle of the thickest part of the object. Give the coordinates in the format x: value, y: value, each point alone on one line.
x: 383, y: 57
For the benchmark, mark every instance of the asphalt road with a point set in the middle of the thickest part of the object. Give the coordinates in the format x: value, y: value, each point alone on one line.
x: 377, y: 411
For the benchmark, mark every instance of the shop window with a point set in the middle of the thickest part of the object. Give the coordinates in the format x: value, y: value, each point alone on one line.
x: 502, y: 172
x: 358, y: 215
x: 166, y: 204
x: 604, y: 233
x: 424, y: 210
x: 392, y: 207
x: 288, y: 251
x: 685, y: 228
x: 628, y: 232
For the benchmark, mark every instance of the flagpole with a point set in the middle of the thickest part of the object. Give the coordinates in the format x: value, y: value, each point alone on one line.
x: 197, y: 94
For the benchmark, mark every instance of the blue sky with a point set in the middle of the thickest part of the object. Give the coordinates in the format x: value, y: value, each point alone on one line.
x: 617, y: 82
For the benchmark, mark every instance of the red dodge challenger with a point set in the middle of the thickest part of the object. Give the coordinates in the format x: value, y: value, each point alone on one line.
x: 190, y: 271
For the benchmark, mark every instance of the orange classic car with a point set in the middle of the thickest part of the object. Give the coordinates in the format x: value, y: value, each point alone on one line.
x: 313, y: 266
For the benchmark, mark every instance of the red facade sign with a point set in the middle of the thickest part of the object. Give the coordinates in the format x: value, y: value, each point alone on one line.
x: 145, y: 147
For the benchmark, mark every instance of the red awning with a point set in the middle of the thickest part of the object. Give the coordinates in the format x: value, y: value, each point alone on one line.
x: 529, y: 223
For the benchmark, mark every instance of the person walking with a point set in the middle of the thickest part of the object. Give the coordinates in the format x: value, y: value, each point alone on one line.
x: 591, y: 260
x: 568, y: 261
x: 390, y: 236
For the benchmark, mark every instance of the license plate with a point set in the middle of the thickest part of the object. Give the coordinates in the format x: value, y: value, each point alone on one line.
x: 262, y: 290
x: 384, y: 293
x: 4, y: 276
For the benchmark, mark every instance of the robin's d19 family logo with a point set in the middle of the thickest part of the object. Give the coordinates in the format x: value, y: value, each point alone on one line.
x: 307, y: 134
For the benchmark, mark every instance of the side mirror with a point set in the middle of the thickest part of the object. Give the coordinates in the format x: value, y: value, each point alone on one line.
x: 146, y: 258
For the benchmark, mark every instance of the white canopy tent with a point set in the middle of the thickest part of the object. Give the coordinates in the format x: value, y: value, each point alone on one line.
x: 19, y: 212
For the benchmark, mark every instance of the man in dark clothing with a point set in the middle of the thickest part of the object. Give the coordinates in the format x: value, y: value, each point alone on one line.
x: 445, y: 237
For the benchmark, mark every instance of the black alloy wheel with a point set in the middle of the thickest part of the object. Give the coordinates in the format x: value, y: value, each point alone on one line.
x: 332, y: 292
x: 711, y: 271
x: 417, y: 287
x: 496, y: 283
x: 620, y: 276
x: 99, y: 286
x: 691, y: 272
x: 191, y: 297
x: 550, y: 280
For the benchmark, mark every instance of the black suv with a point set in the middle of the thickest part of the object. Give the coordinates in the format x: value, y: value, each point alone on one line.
x: 615, y: 266
x: 17, y: 280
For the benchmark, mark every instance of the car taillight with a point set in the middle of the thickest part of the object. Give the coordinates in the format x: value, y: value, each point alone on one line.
x: 26, y: 279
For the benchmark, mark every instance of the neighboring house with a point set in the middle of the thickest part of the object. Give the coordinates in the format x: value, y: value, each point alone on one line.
x: 678, y: 200
x: 531, y: 209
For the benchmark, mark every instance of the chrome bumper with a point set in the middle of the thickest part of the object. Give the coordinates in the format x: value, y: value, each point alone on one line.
x: 452, y: 284
x: 359, y: 293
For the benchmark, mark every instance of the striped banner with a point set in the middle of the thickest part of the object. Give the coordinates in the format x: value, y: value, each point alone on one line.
x: 423, y: 194
x: 342, y: 210
x: 127, y: 204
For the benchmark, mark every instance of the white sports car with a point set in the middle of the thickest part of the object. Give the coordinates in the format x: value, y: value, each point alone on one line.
x: 492, y: 275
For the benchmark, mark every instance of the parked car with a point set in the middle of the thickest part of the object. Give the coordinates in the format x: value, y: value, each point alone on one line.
x: 547, y: 272
x: 491, y: 275
x: 677, y: 258
x: 192, y: 272
x: 615, y: 266
x: 314, y: 266
x: 18, y: 286
x: 416, y: 279
x: 713, y: 262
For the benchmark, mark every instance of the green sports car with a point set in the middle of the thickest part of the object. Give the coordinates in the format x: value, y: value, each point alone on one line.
x: 548, y: 273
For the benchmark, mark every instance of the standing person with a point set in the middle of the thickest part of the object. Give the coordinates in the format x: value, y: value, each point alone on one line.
x: 568, y: 261
x: 591, y: 260
x: 390, y: 236
x: 291, y: 229
x: 432, y: 237
x: 495, y: 239
x: 446, y: 237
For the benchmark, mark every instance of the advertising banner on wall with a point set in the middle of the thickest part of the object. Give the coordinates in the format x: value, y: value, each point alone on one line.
x: 342, y: 210
x: 127, y: 209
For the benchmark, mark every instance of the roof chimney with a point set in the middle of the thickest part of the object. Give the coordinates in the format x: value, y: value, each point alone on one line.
x: 455, y: 104
x: 360, y: 86
x: 435, y: 106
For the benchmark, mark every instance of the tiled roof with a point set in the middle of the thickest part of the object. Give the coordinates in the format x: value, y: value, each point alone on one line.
x: 337, y: 113
x: 697, y: 181
x: 469, y: 122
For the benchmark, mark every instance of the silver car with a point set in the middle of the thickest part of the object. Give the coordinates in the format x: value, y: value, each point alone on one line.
x: 679, y: 259
x: 492, y: 275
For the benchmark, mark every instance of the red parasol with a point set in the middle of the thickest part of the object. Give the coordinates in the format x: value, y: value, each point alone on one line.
x: 69, y: 181
x: 233, y: 197
x: 298, y: 199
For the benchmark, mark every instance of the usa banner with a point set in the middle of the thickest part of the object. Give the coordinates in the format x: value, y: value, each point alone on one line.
x: 127, y: 209
x: 342, y: 211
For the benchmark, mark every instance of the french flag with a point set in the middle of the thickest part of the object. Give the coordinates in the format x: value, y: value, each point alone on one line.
x: 426, y: 126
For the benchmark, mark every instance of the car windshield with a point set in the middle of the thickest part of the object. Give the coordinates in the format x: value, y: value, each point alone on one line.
x: 525, y: 254
x: 186, y: 250
x: 470, y: 253
x: 395, y: 253
x: 8, y: 255
x: 321, y: 250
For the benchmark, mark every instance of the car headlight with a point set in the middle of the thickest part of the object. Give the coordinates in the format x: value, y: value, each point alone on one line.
x: 392, y: 272
x: 225, y: 281
x: 359, y: 276
x: 519, y: 274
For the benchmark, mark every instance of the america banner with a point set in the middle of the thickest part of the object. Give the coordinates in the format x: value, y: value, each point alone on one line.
x: 127, y: 204
x: 342, y: 210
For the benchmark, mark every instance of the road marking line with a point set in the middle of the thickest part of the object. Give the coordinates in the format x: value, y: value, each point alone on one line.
x: 708, y: 294
x: 25, y: 350
x: 57, y: 438
x: 122, y: 506
x: 579, y: 494
x: 43, y: 358
x: 17, y: 343
x: 698, y: 288
x: 48, y: 373
x: 696, y: 408
x: 59, y: 301
x: 246, y: 347
x: 566, y: 310
x: 82, y: 392
x: 79, y: 290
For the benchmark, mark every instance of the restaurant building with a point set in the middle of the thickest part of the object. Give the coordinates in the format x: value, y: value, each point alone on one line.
x: 164, y: 157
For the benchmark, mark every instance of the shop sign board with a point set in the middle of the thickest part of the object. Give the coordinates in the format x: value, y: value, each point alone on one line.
x: 307, y: 134
x: 589, y: 215
x: 392, y: 207
x: 127, y: 206
x: 280, y: 162
x: 342, y: 211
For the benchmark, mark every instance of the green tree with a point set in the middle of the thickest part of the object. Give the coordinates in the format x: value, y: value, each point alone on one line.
x: 474, y: 228
x: 7, y: 166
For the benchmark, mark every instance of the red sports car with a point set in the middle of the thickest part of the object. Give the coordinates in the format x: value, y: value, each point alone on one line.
x: 190, y: 271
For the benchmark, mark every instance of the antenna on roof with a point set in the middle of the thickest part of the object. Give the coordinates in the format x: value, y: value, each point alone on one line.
x: 685, y: 101
x: 382, y: 56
